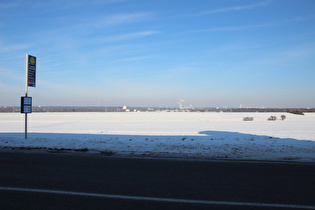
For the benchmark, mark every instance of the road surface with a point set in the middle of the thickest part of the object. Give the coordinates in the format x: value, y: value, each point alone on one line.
x: 76, y: 181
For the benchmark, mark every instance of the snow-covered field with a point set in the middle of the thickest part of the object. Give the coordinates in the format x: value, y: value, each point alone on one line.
x: 167, y: 134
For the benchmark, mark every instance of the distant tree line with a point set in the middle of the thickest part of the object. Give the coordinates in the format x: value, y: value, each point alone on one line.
x: 299, y: 111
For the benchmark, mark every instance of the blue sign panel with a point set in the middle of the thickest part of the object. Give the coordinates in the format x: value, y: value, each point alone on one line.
x: 26, y: 104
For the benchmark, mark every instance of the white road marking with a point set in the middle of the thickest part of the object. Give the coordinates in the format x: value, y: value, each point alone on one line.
x: 173, y: 200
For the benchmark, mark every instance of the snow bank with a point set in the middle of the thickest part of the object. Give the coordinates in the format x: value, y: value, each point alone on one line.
x: 201, y: 135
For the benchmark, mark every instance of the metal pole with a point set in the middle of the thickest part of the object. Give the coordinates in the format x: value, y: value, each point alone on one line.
x: 25, y: 125
x: 26, y: 89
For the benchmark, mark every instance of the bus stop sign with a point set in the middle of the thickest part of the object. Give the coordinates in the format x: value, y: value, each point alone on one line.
x: 26, y: 104
x: 31, y: 71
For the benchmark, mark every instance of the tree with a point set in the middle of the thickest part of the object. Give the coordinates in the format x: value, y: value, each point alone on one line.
x: 272, y: 118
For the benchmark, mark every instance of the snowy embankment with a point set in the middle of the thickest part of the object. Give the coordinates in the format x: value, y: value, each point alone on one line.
x: 167, y: 134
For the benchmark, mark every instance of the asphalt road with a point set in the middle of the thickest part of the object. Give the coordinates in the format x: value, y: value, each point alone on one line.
x: 63, y: 181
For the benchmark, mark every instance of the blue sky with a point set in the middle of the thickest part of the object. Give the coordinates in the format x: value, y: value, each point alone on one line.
x: 152, y: 53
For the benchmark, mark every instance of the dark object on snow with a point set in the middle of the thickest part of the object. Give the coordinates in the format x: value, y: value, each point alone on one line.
x: 283, y: 117
x: 248, y: 119
x: 295, y: 111
x: 272, y: 118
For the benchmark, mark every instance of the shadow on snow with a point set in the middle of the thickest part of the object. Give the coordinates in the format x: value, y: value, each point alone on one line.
x: 213, y: 144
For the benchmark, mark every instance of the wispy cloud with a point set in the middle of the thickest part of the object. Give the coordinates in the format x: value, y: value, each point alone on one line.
x: 9, y: 48
x: 92, y: 30
x: 240, y: 28
x: 54, y: 5
x: 9, y: 74
x: 117, y: 19
x: 131, y: 59
x: 301, y: 18
x: 10, y: 91
x: 236, y: 28
x: 287, y: 57
x: 299, y: 52
x: 235, y: 8
x: 127, y: 36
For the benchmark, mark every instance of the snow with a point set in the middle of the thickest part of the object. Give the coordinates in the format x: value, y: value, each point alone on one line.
x: 166, y: 134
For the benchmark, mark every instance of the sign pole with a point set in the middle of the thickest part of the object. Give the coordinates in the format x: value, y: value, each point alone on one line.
x: 26, y: 89
x: 25, y: 125
x: 30, y: 80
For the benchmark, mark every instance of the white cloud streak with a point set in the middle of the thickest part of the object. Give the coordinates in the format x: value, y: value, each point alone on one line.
x: 9, y: 74
x: 117, y: 19
x: 235, y: 8
x: 15, y: 47
x: 122, y: 37
x: 131, y: 59
x: 54, y: 5
x: 237, y: 28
